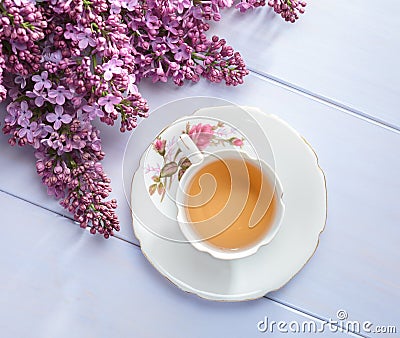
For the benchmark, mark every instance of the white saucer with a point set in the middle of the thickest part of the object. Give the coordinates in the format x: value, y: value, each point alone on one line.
x: 272, y: 266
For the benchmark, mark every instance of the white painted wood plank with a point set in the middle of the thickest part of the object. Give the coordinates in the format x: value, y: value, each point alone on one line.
x: 19, y: 175
x: 356, y: 264
x: 58, y: 281
x: 344, y: 50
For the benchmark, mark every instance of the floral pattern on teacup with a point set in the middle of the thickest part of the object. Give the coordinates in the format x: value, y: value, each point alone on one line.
x: 173, y: 164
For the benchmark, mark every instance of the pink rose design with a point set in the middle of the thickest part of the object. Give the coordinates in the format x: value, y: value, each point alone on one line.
x: 201, y: 134
x: 237, y: 142
x: 159, y: 146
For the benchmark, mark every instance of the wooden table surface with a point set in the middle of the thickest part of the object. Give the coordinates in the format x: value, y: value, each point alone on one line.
x: 335, y: 77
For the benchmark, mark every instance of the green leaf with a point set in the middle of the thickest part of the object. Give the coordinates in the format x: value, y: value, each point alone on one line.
x: 184, y: 163
x: 180, y: 173
x: 160, y: 188
x: 152, y: 189
x: 169, y: 169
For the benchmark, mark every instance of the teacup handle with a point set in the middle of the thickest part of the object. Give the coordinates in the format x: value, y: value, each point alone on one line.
x: 189, y: 149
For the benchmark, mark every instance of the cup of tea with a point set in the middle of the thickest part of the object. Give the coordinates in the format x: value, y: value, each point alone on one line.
x: 229, y: 204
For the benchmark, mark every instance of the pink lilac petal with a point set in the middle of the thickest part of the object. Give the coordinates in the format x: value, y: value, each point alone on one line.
x: 41, y: 81
x: 112, y: 67
x: 108, y: 102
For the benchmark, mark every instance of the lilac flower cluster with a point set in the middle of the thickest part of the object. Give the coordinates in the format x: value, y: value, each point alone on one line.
x: 65, y: 63
x: 289, y: 10
x: 170, y: 41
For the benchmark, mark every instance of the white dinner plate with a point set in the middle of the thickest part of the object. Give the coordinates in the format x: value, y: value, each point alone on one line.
x: 154, y: 211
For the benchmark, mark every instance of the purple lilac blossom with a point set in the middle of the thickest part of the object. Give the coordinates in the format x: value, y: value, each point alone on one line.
x: 109, y: 101
x: 64, y: 63
x: 41, y: 81
x: 58, y: 117
x: 112, y: 67
x: 60, y: 94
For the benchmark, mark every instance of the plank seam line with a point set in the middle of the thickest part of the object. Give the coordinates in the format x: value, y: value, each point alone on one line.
x: 59, y: 214
x: 36, y: 204
x: 280, y: 303
x: 309, y: 315
x: 324, y: 100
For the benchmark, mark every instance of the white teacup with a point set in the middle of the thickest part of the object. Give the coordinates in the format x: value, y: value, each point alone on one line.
x: 239, y: 178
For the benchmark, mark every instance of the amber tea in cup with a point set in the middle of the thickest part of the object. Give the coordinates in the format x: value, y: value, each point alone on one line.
x: 229, y: 204
x: 241, y: 209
